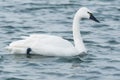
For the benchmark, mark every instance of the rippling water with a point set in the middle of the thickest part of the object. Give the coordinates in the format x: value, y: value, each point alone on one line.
x: 24, y: 17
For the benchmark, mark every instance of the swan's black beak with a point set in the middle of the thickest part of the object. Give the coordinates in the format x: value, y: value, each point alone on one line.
x: 93, y: 18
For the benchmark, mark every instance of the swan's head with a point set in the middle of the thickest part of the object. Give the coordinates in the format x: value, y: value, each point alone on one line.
x: 85, y: 13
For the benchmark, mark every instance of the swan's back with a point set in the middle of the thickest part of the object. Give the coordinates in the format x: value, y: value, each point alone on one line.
x: 44, y: 45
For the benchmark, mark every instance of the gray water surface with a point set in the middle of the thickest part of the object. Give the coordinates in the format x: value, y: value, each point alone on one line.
x: 102, y: 40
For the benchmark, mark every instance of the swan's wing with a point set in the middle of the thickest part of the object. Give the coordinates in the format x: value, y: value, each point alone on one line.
x: 48, y: 40
x: 52, y: 45
x: 44, y: 45
x: 28, y: 40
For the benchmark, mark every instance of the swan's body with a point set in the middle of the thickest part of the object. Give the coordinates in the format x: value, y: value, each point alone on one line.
x: 48, y: 45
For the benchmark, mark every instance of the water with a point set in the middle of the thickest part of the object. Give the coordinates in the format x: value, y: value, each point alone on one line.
x: 24, y: 17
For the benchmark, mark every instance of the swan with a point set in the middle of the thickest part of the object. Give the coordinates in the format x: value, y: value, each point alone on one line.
x: 50, y: 45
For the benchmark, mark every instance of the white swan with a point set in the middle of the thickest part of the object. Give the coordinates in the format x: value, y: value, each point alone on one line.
x: 49, y: 45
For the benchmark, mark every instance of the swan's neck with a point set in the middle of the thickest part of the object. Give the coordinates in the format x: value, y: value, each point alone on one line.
x: 79, y: 45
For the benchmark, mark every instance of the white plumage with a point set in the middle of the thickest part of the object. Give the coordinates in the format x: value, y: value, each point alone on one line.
x: 49, y: 45
x: 46, y: 45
